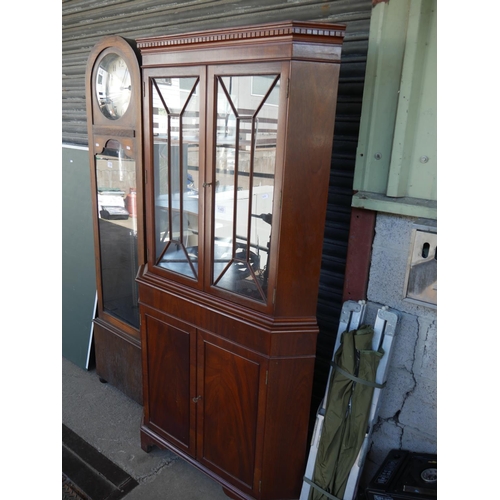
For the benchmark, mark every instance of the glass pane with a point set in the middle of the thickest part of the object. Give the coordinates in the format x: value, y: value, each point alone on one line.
x: 176, y: 129
x: 113, y: 86
x: 260, y: 86
x: 116, y: 199
x: 247, y: 119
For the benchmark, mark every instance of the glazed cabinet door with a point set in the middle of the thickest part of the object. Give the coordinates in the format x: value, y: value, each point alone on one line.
x: 232, y: 389
x: 245, y: 158
x: 169, y: 354
x: 174, y: 125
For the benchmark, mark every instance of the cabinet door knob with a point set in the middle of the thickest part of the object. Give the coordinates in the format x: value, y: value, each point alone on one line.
x: 195, y: 400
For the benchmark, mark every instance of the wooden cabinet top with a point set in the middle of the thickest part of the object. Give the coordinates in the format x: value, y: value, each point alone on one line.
x: 284, y: 40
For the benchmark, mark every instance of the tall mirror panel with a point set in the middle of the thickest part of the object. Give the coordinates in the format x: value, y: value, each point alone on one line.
x: 117, y: 216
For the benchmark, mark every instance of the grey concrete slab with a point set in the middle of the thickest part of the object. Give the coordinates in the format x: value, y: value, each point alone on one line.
x: 109, y: 421
x: 178, y: 481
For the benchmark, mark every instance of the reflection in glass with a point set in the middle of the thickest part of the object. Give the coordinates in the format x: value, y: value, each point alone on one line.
x: 117, y: 212
x: 176, y: 129
x: 247, y: 120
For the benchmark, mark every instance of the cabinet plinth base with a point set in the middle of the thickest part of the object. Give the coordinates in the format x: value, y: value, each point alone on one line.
x: 230, y: 494
x: 149, y: 439
x: 146, y: 442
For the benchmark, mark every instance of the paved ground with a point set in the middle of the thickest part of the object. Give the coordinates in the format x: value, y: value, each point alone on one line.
x: 109, y: 421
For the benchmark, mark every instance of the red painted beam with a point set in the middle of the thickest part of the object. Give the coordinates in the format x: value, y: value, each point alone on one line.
x: 359, y: 251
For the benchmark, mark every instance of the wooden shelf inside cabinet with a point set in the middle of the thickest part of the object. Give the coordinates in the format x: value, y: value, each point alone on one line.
x: 238, y: 132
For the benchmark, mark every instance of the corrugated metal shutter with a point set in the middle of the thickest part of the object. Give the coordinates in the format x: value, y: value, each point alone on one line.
x: 84, y: 23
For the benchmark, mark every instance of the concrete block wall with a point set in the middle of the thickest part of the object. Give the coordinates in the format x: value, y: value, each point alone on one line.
x: 408, y: 406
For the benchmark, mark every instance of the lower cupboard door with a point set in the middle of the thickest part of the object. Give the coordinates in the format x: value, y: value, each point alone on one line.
x: 171, y: 381
x: 231, y: 383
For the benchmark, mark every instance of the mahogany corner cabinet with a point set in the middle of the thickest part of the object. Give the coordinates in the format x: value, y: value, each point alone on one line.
x: 238, y: 130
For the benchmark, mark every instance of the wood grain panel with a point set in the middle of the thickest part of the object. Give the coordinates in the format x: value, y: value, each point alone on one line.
x: 231, y: 382
x: 118, y: 359
x: 169, y: 369
x: 290, y: 382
